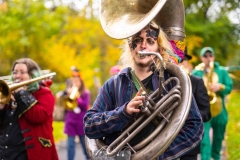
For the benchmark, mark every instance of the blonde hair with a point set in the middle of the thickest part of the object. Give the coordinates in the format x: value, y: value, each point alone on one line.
x: 164, y: 46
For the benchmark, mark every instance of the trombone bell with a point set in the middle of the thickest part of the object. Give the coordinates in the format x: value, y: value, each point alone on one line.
x: 5, y: 92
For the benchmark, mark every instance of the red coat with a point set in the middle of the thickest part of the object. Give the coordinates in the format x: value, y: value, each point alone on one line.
x: 37, y: 122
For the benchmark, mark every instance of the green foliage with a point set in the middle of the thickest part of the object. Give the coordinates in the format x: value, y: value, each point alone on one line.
x: 25, y: 26
x: 233, y: 127
x: 85, y: 46
x: 210, y: 23
x: 56, y: 39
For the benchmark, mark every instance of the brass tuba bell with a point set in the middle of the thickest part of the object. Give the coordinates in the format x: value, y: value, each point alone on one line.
x: 122, y: 19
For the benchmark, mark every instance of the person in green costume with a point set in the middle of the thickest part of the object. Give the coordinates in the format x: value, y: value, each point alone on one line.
x: 219, y: 85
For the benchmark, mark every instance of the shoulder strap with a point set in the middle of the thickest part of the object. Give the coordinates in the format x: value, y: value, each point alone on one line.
x: 137, y: 82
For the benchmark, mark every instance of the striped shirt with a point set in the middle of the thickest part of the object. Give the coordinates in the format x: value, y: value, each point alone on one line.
x: 108, y: 116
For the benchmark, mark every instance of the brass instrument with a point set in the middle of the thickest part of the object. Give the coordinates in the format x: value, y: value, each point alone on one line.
x: 212, y: 95
x: 71, y: 103
x: 209, y: 78
x: 6, y: 88
x: 215, y: 102
x: 122, y: 19
x: 170, y: 113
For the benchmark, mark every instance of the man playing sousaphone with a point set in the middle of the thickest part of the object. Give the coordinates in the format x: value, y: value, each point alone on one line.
x: 120, y: 98
x: 219, y: 85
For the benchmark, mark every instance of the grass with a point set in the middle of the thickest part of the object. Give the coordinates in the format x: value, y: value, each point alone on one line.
x: 58, y: 133
x: 233, y: 127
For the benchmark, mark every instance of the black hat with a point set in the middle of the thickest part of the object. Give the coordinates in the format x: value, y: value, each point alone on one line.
x: 186, y: 55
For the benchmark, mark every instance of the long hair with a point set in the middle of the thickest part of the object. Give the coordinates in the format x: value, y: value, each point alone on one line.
x: 164, y: 47
x: 77, y: 74
x: 82, y: 88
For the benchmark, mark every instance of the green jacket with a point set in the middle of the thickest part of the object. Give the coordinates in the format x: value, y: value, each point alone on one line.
x: 223, y: 78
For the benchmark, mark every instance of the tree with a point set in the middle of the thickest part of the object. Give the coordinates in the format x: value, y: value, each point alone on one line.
x: 25, y: 26
x: 208, y: 22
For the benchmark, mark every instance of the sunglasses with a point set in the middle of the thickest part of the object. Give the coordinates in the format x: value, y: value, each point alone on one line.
x: 208, y: 55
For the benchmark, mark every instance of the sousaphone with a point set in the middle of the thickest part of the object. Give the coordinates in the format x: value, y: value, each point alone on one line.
x: 122, y: 19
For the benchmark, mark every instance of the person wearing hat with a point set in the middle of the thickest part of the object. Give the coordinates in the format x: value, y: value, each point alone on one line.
x: 199, y: 92
x: 218, y: 82
x: 185, y: 64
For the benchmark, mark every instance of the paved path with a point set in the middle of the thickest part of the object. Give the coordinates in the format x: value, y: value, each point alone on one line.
x: 62, y: 151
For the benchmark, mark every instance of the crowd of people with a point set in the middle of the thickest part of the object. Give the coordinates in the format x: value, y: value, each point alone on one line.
x: 26, y: 119
x: 26, y: 116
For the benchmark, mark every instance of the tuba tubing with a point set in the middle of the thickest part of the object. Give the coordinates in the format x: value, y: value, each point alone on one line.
x: 160, y: 126
x: 176, y: 122
x: 165, y: 115
x: 112, y: 149
x: 175, y: 115
x: 122, y: 19
x: 166, y: 103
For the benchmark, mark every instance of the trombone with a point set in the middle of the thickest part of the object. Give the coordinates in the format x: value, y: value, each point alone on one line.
x: 6, y: 88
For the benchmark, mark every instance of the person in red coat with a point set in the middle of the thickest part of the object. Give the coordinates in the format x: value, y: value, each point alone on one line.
x: 26, y: 120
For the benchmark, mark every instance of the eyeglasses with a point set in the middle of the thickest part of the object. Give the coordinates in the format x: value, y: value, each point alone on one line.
x: 208, y: 55
x: 21, y: 72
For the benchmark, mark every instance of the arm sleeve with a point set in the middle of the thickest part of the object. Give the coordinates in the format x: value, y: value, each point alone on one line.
x: 43, y: 109
x: 202, y: 100
x: 188, y: 138
x: 105, y: 118
x: 25, y: 101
